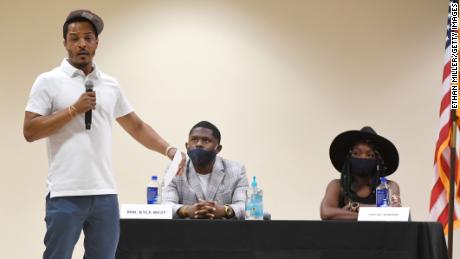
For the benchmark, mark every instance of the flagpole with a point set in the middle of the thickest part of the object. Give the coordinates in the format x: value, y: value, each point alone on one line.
x: 453, y: 167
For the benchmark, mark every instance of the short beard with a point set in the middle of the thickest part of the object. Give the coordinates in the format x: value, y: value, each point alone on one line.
x: 80, y: 65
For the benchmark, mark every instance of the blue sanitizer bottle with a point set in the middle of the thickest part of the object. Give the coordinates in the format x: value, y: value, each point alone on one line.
x: 382, y: 193
x: 152, y: 191
x: 254, y: 202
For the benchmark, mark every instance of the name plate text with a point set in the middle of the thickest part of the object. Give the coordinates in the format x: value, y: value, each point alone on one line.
x: 384, y: 214
x: 145, y: 211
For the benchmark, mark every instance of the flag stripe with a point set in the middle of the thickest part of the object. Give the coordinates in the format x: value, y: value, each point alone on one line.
x: 439, y: 206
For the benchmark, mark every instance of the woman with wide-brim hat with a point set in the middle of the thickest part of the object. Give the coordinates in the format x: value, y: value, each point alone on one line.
x: 362, y: 157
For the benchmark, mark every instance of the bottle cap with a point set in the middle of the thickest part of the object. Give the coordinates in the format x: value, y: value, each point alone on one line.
x: 154, y: 177
x: 254, y: 182
x: 383, y: 179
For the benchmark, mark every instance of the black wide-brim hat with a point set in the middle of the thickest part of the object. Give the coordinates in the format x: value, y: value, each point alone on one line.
x: 343, y: 143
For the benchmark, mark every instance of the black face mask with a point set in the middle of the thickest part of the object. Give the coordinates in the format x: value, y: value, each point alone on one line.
x: 363, y: 167
x: 201, y: 157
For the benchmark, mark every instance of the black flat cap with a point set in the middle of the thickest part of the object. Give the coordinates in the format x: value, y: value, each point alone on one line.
x: 91, y: 17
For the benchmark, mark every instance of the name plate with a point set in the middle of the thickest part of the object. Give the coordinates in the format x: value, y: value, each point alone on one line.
x: 384, y: 214
x: 145, y: 211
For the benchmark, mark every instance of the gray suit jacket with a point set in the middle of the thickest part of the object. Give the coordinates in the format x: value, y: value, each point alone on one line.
x: 227, y: 185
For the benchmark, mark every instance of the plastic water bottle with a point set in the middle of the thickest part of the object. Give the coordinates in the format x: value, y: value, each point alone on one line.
x: 254, y: 202
x: 152, y: 191
x: 382, y: 193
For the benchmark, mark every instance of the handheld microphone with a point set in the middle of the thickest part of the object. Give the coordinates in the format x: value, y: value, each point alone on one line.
x: 89, y: 114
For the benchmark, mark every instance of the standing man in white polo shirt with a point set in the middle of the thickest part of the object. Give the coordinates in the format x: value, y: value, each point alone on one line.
x: 81, y: 188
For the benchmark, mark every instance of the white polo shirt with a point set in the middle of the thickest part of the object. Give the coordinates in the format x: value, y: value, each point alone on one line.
x: 80, y: 160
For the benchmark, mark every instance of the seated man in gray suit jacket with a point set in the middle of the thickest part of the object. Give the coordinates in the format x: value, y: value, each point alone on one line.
x: 211, y: 187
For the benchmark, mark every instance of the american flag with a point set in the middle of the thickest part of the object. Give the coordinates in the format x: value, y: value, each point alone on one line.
x: 439, y: 203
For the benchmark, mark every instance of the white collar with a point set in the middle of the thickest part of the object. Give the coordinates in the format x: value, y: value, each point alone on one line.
x: 73, y: 71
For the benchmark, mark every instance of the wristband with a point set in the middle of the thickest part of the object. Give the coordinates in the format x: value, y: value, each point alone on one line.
x: 72, y: 111
x: 182, y: 212
x: 168, y: 149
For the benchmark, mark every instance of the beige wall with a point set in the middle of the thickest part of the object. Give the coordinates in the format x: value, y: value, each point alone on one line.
x: 280, y: 79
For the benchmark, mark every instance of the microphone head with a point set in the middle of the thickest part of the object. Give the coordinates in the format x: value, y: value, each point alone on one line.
x: 89, y: 85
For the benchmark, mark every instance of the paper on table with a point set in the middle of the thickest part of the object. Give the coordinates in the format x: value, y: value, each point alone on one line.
x: 173, y: 167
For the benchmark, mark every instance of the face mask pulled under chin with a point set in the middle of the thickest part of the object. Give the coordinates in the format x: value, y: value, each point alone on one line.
x: 201, y: 157
x: 363, y: 167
